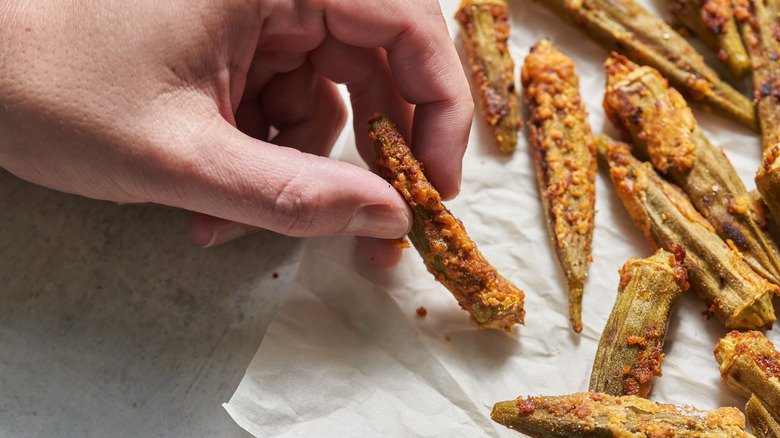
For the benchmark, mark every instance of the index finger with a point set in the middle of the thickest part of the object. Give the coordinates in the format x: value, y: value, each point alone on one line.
x: 427, y: 73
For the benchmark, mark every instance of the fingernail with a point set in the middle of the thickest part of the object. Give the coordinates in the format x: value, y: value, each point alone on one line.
x: 227, y: 233
x: 382, y: 221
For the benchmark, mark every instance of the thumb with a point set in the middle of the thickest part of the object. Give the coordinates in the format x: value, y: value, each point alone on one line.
x: 239, y: 179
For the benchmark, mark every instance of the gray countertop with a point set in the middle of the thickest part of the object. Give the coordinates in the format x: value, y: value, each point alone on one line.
x: 113, y: 323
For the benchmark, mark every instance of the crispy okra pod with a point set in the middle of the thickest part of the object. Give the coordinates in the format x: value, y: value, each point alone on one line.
x: 630, y: 351
x: 655, y: 119
x: 735, y: 293
x: 602, y: 415
x: 760, y: 30
x: 440, y: 238
x: 750, y: 364
x: 762, y: 422
x: 562, y: 145
x: 485, y: 25
x: 626, y: 27
x: 713, y: 22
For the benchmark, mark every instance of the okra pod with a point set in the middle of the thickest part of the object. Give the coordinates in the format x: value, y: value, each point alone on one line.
x: 750, y: 364
x: 625, y: 27
x: 440, y: 238
x: 485, y: 26
x: 656, y: 120
x: 601, y: 415
x: 736, y: 294
x: 562, y: 145
x: 713, y: 22
x: 630, y: 351
x: 762, y: 422
x: 760, y: 30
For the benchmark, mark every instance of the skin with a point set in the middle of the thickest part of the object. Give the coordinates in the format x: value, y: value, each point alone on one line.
x: 172, y: 103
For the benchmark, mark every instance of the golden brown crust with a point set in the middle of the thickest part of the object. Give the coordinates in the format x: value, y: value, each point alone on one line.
x: 562, y: 143
x: 485, y: 25
x: 596, y: 414
x: 658, y: 123
x: 665, y: 126
x: 630, y: 350
x: 737, y: 295
x: 627, y: 28
x: 750, y: 364
x: 713, y: 21
x: 440, y: 238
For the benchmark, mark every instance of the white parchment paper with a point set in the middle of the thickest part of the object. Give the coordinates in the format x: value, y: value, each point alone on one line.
x: 347, y: 354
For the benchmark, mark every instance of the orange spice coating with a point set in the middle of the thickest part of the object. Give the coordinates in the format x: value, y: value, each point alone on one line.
x: 666, y: 126
x: 750, y: 364
x: 565, y: 157
x: 440, y: 238
x: 660, y: 126
x: 601, y: 415
x: 714, y: 23
x: 630, y: 350
x: 626, y: 27
x: 485, y: 25
x: 667, y: 218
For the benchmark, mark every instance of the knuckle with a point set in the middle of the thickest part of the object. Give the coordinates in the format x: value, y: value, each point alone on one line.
x: 296, y: 209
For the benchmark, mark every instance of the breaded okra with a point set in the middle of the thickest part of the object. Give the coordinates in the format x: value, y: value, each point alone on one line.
x: 735, y: 293
x: 630, y: 351
x: 750, y: 364
x: 626, y: 27
x: 762, y: 422
x: 655, y: 119
x: 562, y: 145
x: 485, y: 25
x: 440, y: 238
x: 713, y: 21
x: 760, y: 30
x: 601, y: 415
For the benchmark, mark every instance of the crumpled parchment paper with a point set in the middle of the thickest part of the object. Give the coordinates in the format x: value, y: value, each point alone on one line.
x: 347, y: 354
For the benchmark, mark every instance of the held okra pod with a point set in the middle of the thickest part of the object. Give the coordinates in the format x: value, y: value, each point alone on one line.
x: 762, y: 422
x: 736, y: 294
x: 625, y: 27
x: 750, y: 364
x: 661, y: 128
x: 562, y: 144
x: 485, y: 26
x: 630, y: 351
x: 602, y: 415
x: 713, y: 21
x: 449, y: 254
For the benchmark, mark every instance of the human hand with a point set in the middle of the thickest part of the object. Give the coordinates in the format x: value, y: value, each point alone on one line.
x: 172, y: 103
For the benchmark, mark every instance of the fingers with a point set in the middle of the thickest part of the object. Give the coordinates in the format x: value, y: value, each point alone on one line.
x: 306, y: 109
x: 381, y: 252
x: 426, y: 71
x: 232, y: 176
x: 371, y: 88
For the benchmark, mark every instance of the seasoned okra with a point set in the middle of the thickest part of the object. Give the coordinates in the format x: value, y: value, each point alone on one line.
x: 630, y: 351
x: 750, y: 364
x: 656, y: 120
x: 562, y: 144
x: 762, y: 422
x: 713, y: 21
x: 440, y: 238
x: 625, y: 27
x: 485, y: 25
x: 601, y: 415
x: 736, y: 294
x: 760, y: 30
